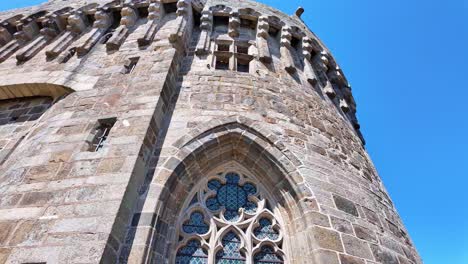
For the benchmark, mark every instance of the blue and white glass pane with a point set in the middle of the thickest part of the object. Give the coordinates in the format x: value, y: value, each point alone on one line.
x: 265, y: 230
x: 231, y: 196
x: 230, y: 254
x: 192, y: 253
x: 267, y: 256
x: 195, y: 224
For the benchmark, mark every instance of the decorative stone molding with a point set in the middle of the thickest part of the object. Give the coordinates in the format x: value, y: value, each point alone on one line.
x: 129, y: 17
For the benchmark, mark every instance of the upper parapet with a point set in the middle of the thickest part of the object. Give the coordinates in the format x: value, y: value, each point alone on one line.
x: 73, y: 28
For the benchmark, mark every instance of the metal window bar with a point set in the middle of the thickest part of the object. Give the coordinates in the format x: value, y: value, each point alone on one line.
x: 101, y: 139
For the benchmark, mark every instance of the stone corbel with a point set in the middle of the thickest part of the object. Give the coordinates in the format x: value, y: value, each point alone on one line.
x: 129, y: 18
x: 234, y: 24
x: 151, y: 27
x: 5, y: 36
x: 52, y: 26
x: 262, y: 39
x: 100, y: 27
x: 206, y: 27
x: 181, y: 21
x: 77, y: 23
x: 320, y: 61
x: 344, y: 105
x: 28, y: 30
x: 285, y: 50
x: 308, y: 69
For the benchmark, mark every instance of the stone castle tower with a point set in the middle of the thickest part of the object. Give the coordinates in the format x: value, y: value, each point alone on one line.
x: 190, y: 131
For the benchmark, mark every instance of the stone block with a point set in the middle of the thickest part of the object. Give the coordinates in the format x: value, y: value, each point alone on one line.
x: 327, y: 239
x: 356, y: 247
x: 345, y: 205
x: 346, y: 259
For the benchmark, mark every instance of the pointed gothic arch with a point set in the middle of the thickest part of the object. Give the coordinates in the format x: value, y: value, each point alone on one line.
x: 254, y: 154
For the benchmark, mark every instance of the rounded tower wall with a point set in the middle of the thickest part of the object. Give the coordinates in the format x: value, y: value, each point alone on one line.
x: 160, y: 95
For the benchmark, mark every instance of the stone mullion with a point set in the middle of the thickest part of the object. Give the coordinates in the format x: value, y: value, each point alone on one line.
x: 262, y: 39
x: 206, y: 30
x: 154, y: 19
x: 129, y: 17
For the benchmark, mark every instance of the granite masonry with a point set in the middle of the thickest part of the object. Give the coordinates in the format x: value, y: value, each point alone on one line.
x: 114, y: 113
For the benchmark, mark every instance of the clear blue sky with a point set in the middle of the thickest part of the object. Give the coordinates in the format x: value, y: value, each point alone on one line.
x: 406, y: 61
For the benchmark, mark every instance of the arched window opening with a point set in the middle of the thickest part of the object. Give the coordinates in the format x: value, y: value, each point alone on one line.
x: 227, y: 219
x: 17, y: 117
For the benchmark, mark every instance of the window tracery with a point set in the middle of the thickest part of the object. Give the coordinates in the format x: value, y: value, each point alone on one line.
x: 228, y: 221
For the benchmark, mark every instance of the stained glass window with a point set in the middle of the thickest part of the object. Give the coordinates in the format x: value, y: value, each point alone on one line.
x: 195, y: 224
x: 218, y: 202
x: 267, y: 256
x: 265, y: 230
x: 230, y: 254
x: 192, y: 253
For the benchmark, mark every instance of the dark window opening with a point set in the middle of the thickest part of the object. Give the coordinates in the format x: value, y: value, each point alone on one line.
x: 274, y: 32
x: 196, y: 18
x: 222, y: 63
x: 247, y: 23
x: 295, y: 43
x: 90, y: 18
x: 131, y: 64
x: 221, y: 24
x: 100, y: 133
x: 243, y: 66
x: 243, y: 49
x: 223, y: 47
x: 170, y: 7
x: 143, y: 12
x: 116, y: 19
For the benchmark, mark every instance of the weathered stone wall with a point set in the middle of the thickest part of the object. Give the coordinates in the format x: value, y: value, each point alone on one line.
x: 288, y: 118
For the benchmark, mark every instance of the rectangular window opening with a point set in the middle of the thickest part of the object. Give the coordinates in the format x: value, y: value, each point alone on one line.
x: 221, y: 24
x: 143, y: 12
x: 223, y: 47
x: 249, y: 24
x: 295, y: 43
x: 274, y: 32
x: 243, y: 49
x: 170, y: 7
x: 100, y: 133
x: 131, y: 64
x: 243, y: 66
x: 222, y: 63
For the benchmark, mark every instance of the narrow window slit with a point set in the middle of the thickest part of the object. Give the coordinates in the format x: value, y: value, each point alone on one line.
x: 130, y: 65
x: 101, y: 133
